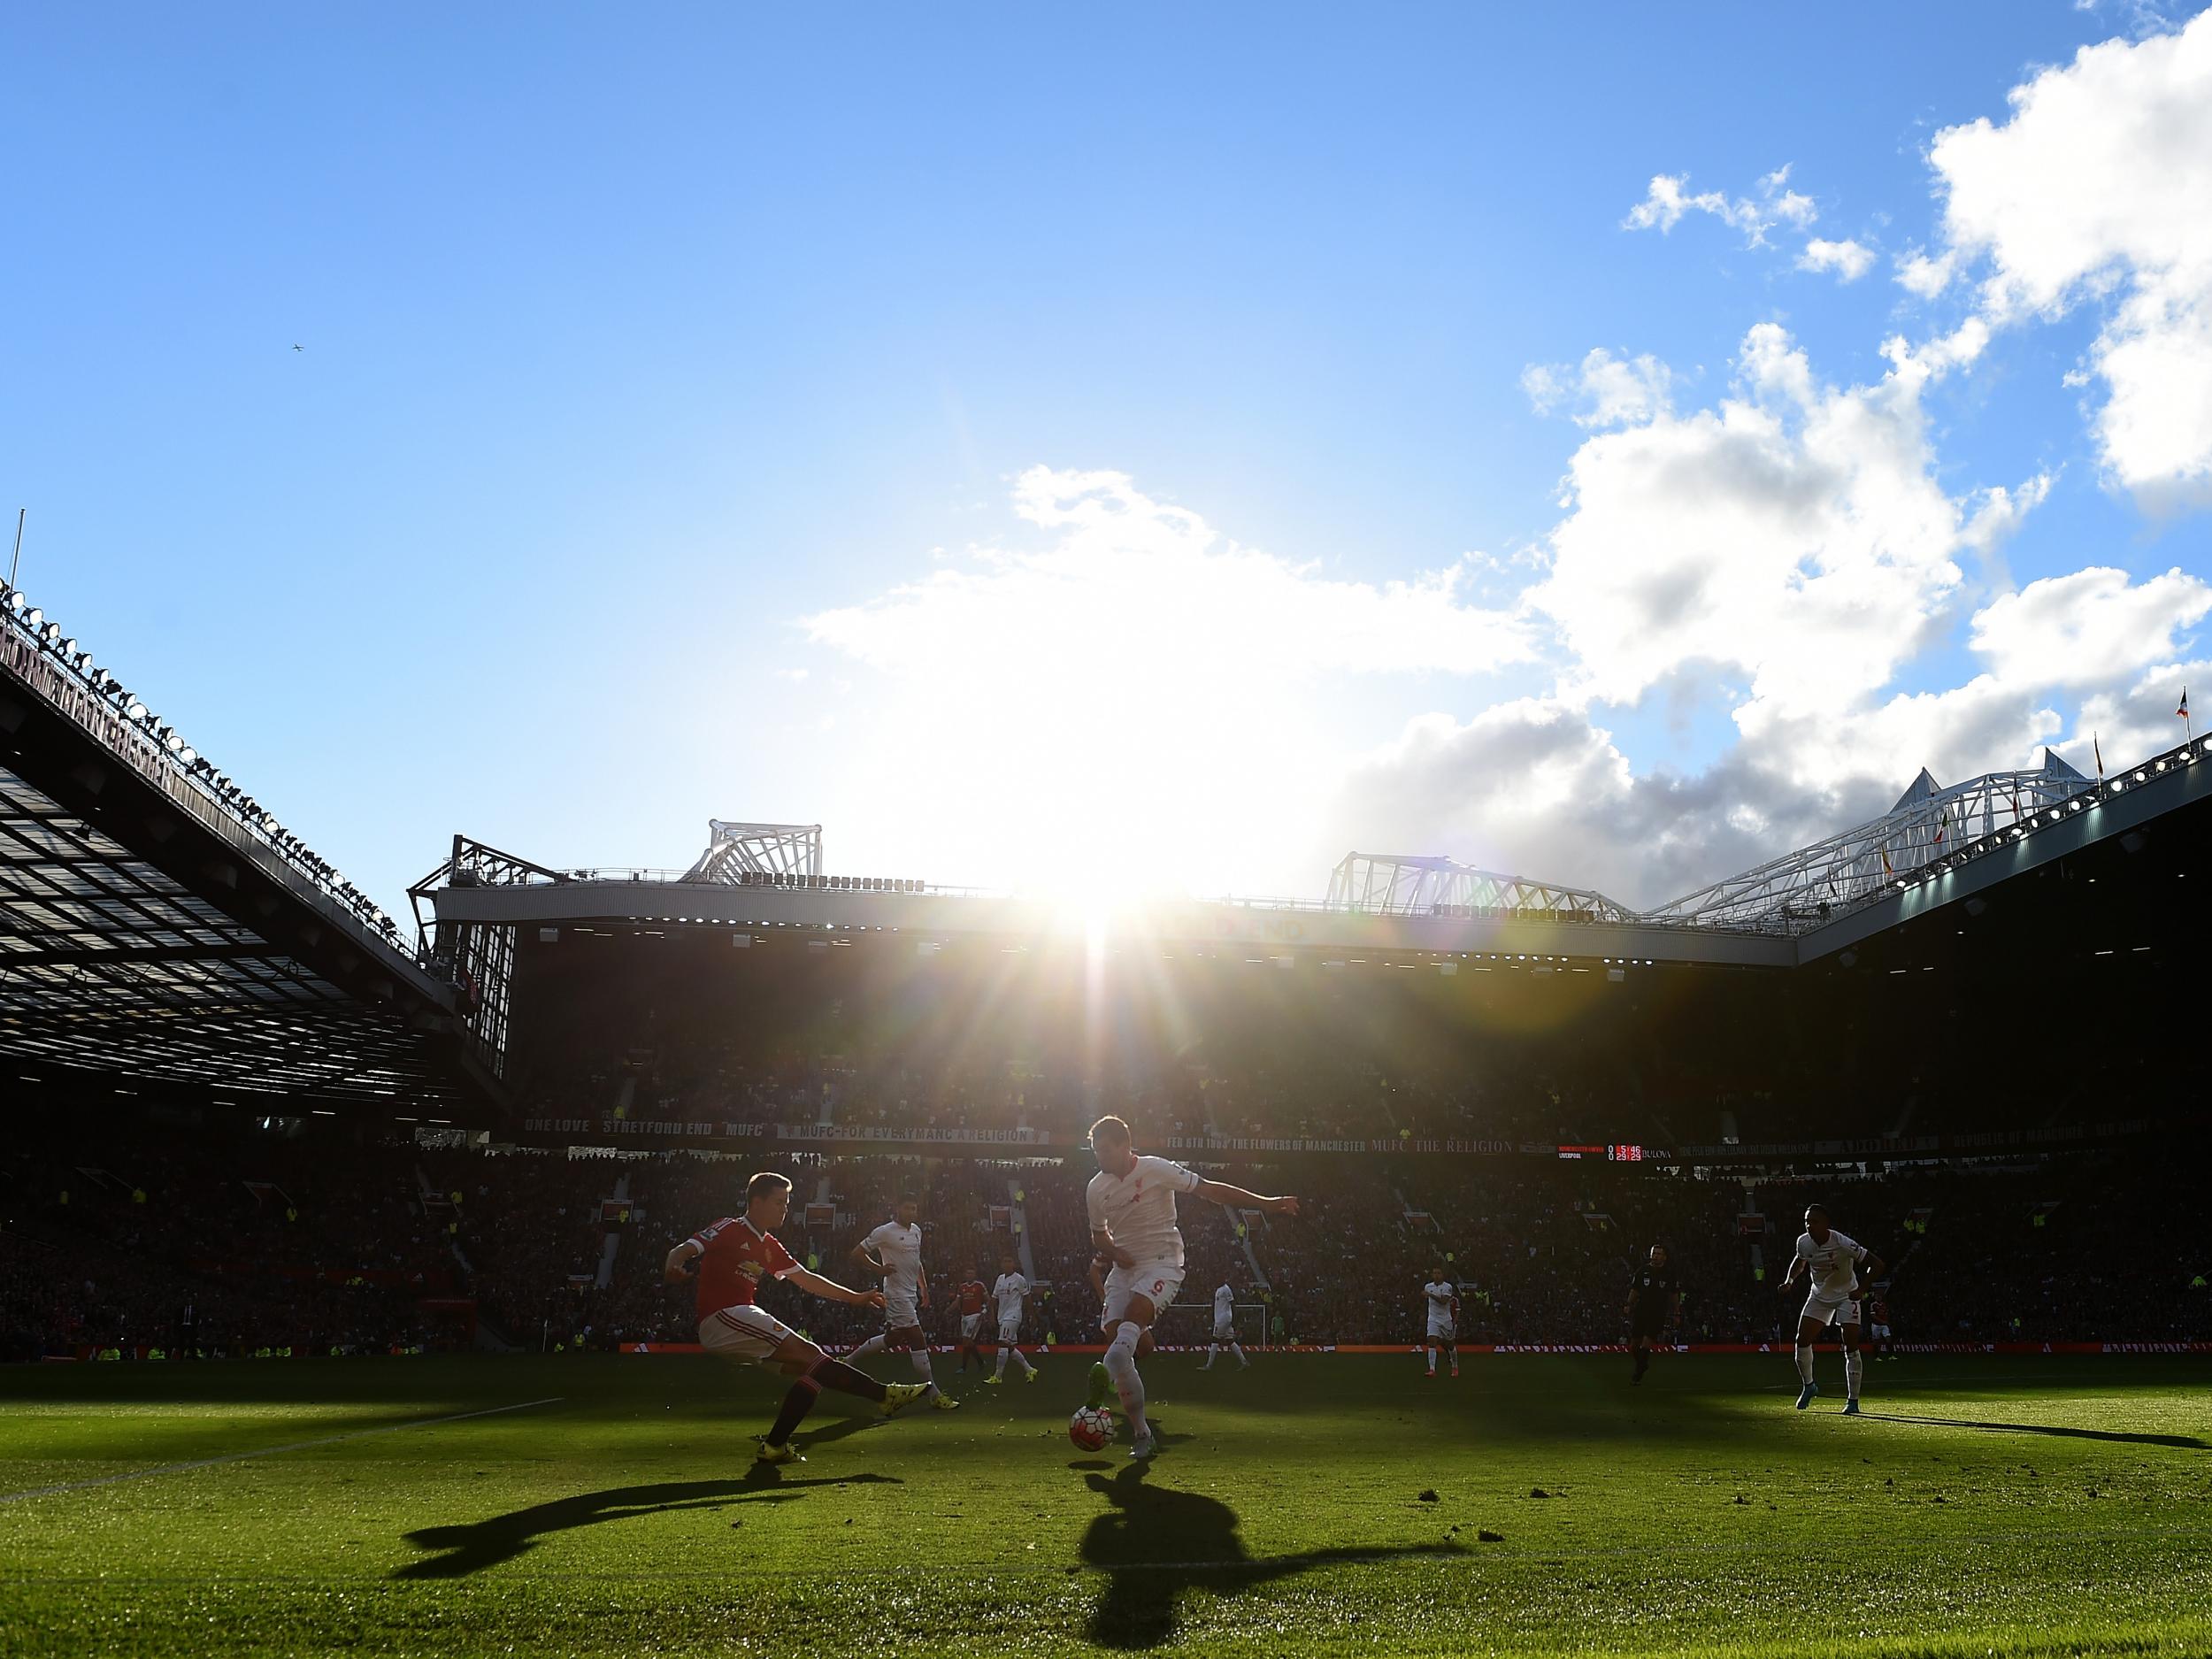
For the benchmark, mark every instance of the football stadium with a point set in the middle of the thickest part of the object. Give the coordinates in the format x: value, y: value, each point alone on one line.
x: 340, y: 1246
x: 1572, y: 1023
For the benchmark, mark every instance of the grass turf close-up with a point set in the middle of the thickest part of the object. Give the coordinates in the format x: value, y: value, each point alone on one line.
x: 1537, y: 1504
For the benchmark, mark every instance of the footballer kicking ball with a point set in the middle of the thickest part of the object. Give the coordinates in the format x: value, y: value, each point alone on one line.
x: 1090, y: 1428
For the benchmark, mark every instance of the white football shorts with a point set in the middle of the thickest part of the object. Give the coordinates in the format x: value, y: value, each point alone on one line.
x: 745, y: 1333
x: 970, y: 1323
x: 1443, y: 1330
x: 1225, y: 1330
x: 1010, y: 1331
x: 898, y: 1311
x: 1155, y: 1281
x: 1820, y: 1310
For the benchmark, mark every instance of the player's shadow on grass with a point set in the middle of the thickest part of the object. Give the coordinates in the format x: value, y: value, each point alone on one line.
x: 473, y: 1547
x: 1156, y: 1542
x: 2185, y: 1442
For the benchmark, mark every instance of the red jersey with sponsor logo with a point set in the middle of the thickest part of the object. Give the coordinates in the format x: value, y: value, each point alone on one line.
x: 973, y: 1292
x: 738, y: 1255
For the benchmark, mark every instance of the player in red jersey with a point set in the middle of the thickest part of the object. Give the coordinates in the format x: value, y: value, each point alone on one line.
x: 733, y: 1255
x: 972, y: 1295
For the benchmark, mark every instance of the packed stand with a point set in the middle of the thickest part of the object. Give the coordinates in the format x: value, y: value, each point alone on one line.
x: 253, y: 1242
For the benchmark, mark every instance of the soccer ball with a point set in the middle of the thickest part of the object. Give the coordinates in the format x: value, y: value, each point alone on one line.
x: 1090, y: 1428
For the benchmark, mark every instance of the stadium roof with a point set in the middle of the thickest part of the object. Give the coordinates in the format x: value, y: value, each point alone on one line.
x: 1936, y: 846
x: 160, y: 929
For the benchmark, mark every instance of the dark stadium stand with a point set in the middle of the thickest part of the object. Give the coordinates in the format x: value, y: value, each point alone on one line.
x: 310, y: 1245
x: 244, y: 1115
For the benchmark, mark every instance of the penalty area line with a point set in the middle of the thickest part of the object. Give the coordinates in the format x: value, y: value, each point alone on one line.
x: 272, y: 1451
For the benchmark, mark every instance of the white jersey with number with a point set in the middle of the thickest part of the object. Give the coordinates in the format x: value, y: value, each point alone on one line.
x: 900, y: 1251
x: 1833, y: 1268
x: 1009, y: 1290
x: 1137, y: 1209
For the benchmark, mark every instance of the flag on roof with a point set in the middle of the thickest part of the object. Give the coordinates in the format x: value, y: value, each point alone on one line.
x: 2182, y: 713
x: 2097, y: 748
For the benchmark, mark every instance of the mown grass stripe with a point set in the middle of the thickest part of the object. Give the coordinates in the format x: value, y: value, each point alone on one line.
x: 269, y: 1451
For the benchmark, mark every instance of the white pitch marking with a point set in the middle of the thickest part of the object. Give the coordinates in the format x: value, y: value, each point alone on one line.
x: 271, y: 1451
x: 1910, y: 1383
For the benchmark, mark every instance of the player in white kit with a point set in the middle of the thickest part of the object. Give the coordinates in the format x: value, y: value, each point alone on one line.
x: 1011, y: 1292
x: 1224, y: 1329
x: 1831, y: 1261
x: 893, y: 1251
x: 1440, y: 1297
x: 1132, y: 1205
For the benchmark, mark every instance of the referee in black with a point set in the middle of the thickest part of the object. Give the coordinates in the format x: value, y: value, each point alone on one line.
x: 1654, y: 1307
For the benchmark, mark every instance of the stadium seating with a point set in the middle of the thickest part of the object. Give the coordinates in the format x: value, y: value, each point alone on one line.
x: 302, y: 1244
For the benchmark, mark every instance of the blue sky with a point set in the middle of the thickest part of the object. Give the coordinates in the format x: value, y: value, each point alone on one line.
x: 657, y: 446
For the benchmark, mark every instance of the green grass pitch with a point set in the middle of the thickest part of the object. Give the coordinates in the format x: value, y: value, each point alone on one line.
x: 1986, y: 1505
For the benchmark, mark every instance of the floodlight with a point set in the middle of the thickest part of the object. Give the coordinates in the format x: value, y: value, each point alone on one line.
x: 33, y: 616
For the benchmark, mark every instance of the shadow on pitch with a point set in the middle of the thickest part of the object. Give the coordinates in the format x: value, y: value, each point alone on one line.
x: 477, y: 1545
x: 1156, y: 1542
x: 2185, y: 1442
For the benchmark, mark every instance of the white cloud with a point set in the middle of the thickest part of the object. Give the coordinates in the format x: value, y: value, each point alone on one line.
x: 2002, y: 511
x: 1534, y: 787
x: 1785, y: 204
x: 1938, y: 357
x: 1135, y: 697
x: 1793, y: 550
x: 2098, y: 189
x: 1613, y: 391
x: 1132, y: 584
x: 1795, y: 533
x: 2088, y: 628
x: 1528, y: 786
x: 1666, y: 199
x: 2138, y: 717
x: 1849, y: 260
x: 1925, y: 274
x: 1132, y: 696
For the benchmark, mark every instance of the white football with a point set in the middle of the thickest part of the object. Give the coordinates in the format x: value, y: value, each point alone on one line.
x: 1090, y: 1428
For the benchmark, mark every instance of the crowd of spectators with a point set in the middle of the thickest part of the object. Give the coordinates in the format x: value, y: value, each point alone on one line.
x: 882, y: 1031
x: 266, y: 1242
x: 165, y: 1240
